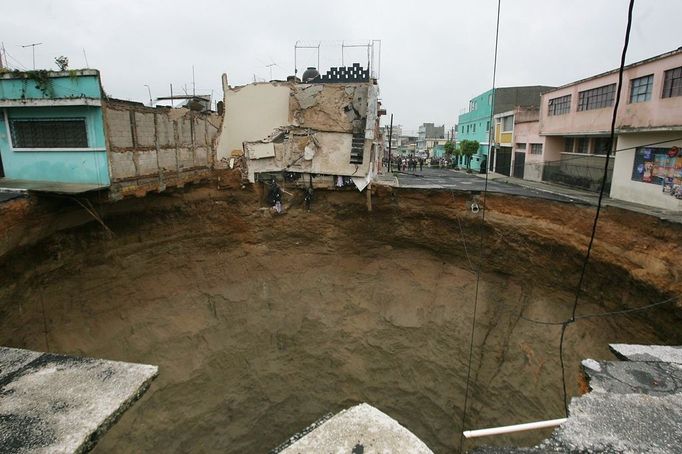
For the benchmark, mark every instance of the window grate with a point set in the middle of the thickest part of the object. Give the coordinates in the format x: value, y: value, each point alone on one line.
x: 49, y: 133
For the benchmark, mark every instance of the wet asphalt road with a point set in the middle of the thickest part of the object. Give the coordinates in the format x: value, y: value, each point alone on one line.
x: 460, y: 181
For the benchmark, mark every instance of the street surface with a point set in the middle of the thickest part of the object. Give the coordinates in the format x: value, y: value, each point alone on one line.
x: 430, y: 178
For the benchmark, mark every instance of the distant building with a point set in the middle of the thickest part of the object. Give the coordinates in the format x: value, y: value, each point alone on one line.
x: 646, y: 168
x: 429, y: 136
x: 60, y: 133
x: 475, y: 123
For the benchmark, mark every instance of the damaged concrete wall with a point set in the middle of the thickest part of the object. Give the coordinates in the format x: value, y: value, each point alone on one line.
x: 150, y: 149
x: 308, y: 128
x: 329, y: 107
x: 252, y: 112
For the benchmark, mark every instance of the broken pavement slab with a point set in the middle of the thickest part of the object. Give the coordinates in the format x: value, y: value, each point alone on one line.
x: 361, y: 429
x: 634, y: 406
x: 660, y: 353
x: 63, y: 404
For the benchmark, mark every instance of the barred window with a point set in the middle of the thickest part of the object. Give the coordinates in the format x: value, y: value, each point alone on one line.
x: 640, y: 88
x: 508, y: 123
x: 49, y: 133
x: 568, y: 144
x: 602, y: 145
x: 535, y: 148
x: 672, y: 83
x: 559, y: 106
x: 521, y: 146
x: 583, y: 145
x: 597, y: 97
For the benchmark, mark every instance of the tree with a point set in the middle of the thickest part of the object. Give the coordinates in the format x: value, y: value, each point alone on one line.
x: 449, y: 149
x: 468, y: 149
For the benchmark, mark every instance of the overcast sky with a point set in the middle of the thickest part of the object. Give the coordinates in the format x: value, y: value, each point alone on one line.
x: 435, y: 55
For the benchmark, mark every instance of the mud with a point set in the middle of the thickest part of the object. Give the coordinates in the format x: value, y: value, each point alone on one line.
x: 261, y: 324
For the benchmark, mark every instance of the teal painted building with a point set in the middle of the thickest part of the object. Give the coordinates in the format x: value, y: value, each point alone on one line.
x: 475, y: 125
x: 52, y: 127
x: 438, y: 151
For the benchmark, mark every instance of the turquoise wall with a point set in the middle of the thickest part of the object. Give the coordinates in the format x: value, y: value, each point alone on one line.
x: 71, y: 166
x: 55, y: 87
x: 481, y: 118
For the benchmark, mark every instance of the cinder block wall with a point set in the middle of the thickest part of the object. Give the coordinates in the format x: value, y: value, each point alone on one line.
x: 150, y: 149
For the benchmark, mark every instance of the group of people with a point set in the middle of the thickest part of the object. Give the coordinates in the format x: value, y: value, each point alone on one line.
x: 408, y: 164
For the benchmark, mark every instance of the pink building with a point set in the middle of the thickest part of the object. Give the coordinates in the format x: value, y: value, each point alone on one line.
x: 575, y: 120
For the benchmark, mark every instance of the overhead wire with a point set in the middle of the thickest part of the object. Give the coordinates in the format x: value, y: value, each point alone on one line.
x: 599, y: 205
x: 481, y: 242
x: 606, y: 314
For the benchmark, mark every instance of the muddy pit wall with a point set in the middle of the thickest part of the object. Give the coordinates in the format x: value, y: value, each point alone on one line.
x: 546, y: 235
x: 151, y: 149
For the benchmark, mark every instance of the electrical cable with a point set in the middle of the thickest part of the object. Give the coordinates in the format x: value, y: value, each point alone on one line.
x: 482, y: 236
x: 606, y: 314
x: 599, y: 203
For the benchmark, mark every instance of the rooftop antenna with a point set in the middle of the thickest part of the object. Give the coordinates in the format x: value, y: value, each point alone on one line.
x: 270, y: 67
x: 33, y: 48
x: 298, y: 46
x: 87, y: 65
x: 194, y: 87
x: 2, y: 52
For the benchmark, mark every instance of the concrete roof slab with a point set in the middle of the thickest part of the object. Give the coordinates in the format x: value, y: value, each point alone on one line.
x: 58, y: 404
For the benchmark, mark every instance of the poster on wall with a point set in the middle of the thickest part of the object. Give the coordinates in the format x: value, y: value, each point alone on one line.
x: 660, y: 166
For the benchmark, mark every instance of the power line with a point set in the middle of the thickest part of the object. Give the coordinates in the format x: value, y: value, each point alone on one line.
x: 599, y: 205
x: 480, y: 250
x: 605, y: 314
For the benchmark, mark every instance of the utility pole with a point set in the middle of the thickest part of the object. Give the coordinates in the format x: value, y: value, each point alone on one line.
x: 33, y: 48
x: 390, y: 142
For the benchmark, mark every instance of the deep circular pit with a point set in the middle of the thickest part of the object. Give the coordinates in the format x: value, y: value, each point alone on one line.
x: 261, y: 325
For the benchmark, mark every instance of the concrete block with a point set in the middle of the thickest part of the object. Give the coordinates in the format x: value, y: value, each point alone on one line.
x: 201, y: 156
x: 118, y: 128
x: 165, y: 131
x: 185, y: 158
x: 167, y: 160
x: 146, y: 163
x: 184, y: 132
x: 144, y: 124
x: 122, y: 165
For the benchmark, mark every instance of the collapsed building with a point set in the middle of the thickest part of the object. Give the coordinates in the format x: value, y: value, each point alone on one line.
x: 324, y: 128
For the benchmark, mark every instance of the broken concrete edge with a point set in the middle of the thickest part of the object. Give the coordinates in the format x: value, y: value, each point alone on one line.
x: 647, y: 353
x: 356, y: 429
x: 297, y: 436
x: 92, y: 440
x: 633, y: 406
x: 19, y: 370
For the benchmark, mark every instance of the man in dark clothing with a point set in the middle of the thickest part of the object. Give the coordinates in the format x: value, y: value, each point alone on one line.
x: 421, y: 164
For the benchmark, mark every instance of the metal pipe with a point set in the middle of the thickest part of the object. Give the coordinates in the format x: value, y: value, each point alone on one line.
x: 514, y: 428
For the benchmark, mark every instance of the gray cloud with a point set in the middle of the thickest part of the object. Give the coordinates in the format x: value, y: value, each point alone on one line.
x: 435, y: 56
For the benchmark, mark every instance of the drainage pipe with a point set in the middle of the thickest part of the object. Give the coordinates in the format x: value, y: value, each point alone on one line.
x: 514, y: 428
